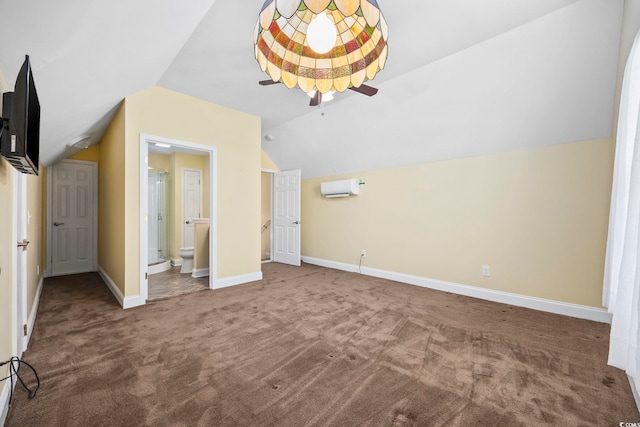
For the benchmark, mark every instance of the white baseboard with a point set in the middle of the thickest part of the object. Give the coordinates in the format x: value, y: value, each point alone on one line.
x: 550, y: 306
x: 176, y: 262
x: 31, y: 322
x: 6, y: 385
x: 199, y: 272
x: 237, y: 280
x: 4, y: 400
x: 125, y: 302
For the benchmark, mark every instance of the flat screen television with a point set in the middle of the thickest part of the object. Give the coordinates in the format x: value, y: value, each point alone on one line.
x: 20, y: 139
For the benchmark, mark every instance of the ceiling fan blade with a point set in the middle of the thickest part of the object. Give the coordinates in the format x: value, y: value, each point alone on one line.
x: 316, y: 100
x: 365, y: 90
x: 267, y: 82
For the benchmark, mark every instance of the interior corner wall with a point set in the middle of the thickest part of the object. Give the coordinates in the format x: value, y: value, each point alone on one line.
x: 111, y: 206
x: 164, y: 113
x: 267, y: 163
x: 537, y: 217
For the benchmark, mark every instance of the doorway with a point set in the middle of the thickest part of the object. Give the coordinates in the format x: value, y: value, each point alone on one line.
x: 280, y: 230
x: 191, y: 186
x: 72, y: 242
x: 191, y: 204
x: 266, y: 231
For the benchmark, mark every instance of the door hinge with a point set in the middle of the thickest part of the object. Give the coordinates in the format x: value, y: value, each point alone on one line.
x: 146, y: 276
x: 24, y: 328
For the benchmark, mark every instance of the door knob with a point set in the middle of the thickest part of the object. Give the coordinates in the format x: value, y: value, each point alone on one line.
x: 296, y: 222
x: 187, y: 222
x: 55, y: 224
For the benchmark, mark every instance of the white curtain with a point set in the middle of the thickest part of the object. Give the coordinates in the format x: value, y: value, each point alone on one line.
x: 622, y: 273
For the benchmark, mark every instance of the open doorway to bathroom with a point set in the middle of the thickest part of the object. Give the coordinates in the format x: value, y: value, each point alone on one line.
x: 266, y: 232
x: 172, y: 205
x: 171, y: 275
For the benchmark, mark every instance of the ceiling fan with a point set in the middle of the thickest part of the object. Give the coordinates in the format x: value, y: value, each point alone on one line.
x: 317, y: 98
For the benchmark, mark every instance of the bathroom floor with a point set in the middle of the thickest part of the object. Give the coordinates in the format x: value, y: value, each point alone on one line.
x: 172, y: 282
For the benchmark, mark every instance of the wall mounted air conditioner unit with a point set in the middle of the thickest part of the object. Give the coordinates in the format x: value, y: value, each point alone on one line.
x: 343, y: 188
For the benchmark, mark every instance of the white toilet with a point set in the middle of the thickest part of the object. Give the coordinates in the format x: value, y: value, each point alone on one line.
x: 187, y: 259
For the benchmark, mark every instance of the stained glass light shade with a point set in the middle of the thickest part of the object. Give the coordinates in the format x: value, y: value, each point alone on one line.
x: 283, y: 51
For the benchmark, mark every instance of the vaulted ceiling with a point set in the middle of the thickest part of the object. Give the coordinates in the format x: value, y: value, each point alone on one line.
x: 463, y: 77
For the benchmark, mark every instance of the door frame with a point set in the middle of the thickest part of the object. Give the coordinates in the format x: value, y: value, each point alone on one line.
x: 145, y: 140
x: 94, y: 171
x: 272, y: 173
x: 298, y: 173
x: 20, y: 213
x: 182, y: 201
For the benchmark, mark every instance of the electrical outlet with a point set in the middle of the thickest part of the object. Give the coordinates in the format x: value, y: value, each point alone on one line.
x: 363, y: 253
x: 486, y: 271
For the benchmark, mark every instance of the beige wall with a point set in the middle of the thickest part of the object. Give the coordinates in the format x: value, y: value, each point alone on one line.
x: 159, y: 161
x: 111, y: 202
x: 236, y: 135
x: 201, y: 246
x: 267, y: 163
x: 89, y: 154
x: 538, y: 218
x: 7, y: 251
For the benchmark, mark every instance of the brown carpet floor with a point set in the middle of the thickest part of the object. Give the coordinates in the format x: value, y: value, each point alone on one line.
x: 311, y: 346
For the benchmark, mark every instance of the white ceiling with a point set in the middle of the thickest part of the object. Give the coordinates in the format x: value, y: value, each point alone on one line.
x: 463, y: 77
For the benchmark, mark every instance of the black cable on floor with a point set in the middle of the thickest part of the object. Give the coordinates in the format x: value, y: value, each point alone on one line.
x: 13, y: 372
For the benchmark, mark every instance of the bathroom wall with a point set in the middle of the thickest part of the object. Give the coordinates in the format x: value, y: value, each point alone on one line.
x: 201, y: 247
x: 159, y: 161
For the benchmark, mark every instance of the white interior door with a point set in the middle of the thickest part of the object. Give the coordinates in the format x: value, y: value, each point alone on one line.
x: 191, y: 204
x: 73, y: 213
x: 286, y: 217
